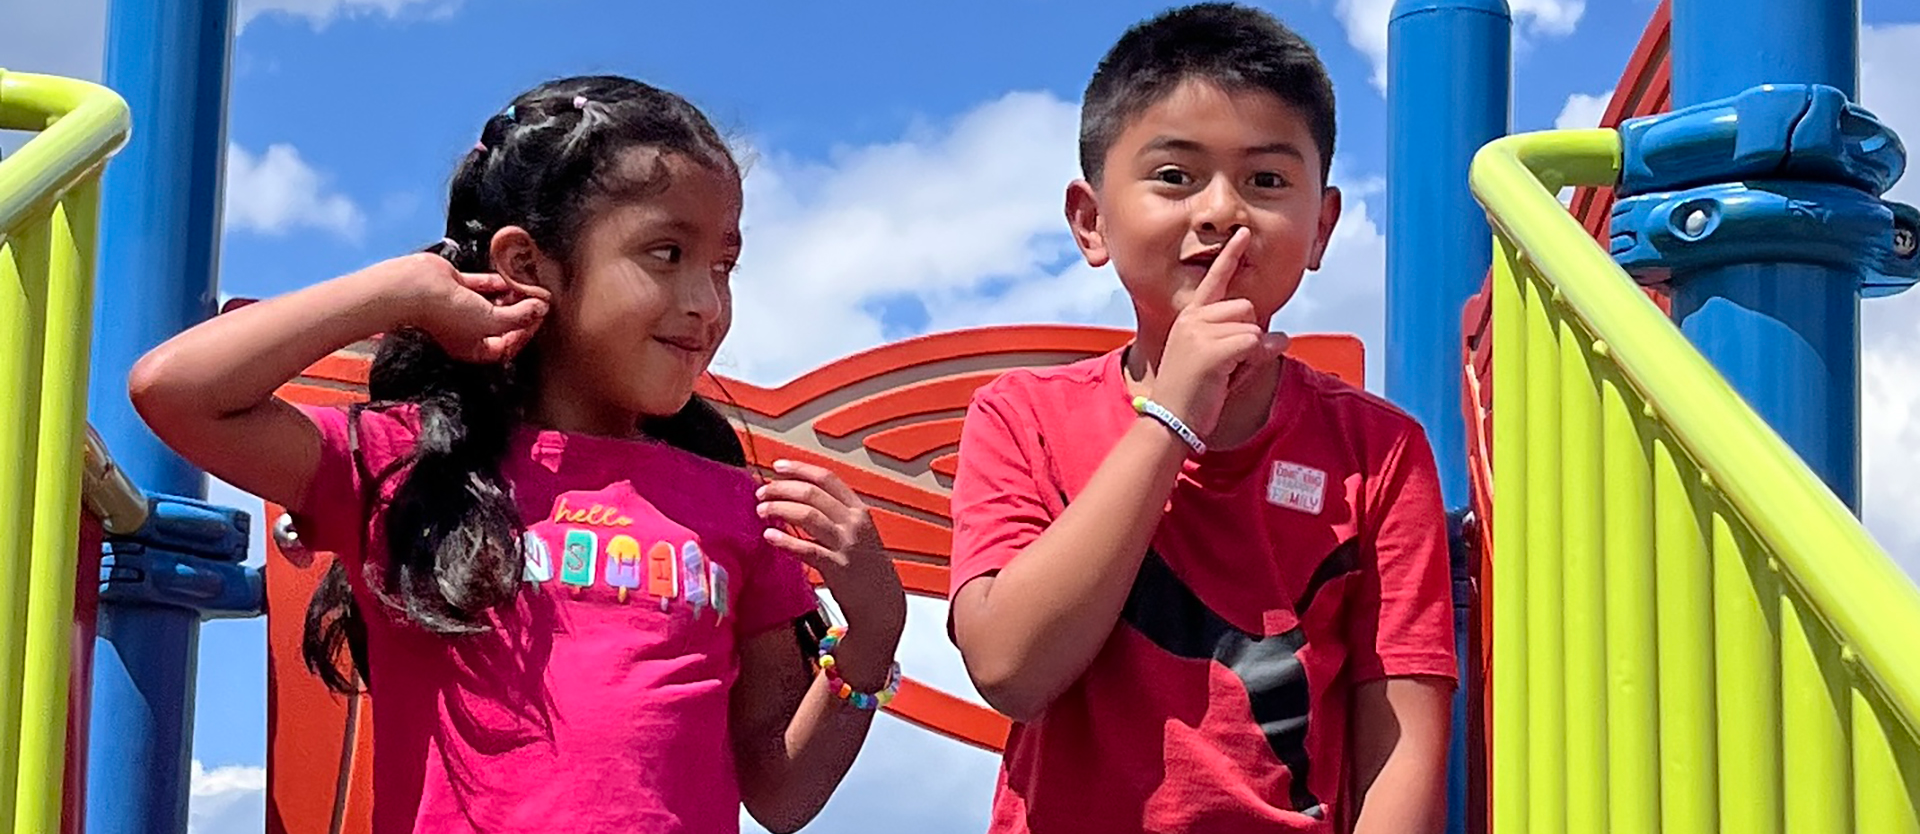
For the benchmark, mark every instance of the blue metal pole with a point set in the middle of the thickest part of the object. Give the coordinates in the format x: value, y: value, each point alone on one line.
x: 1785, y: 335
x: 1449, y: 71
x: 160, y: 227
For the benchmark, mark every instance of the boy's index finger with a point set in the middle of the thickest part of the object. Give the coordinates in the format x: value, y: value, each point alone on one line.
x: 1213, y: 285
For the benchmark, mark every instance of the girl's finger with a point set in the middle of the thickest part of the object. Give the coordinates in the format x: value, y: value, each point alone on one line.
x: 484, y: 283
x: 802, y: 492
x: 524, y: 314
x: 805, y: 518
x: 809, y: 553
x: 818, y: 476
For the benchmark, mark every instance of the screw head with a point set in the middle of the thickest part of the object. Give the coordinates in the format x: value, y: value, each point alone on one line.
x: 284, y: 535
x: 1904, y: 242
x: 1695, y: 223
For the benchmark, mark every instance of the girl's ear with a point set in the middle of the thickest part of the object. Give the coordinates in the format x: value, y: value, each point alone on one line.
x: 513, y: 254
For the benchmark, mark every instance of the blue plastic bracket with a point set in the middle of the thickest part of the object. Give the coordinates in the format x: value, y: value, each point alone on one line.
x: 1780, y: 173
x: 190, y: 555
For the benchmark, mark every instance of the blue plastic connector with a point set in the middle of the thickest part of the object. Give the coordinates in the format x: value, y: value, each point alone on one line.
x: 1773, y: 132
x: 1777, y: 174
x: 188, y: 555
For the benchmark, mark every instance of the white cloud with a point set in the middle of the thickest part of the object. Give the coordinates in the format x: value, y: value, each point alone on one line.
x: 1582, y: 110
x: 231, y: 799
x: 277, y: 192
x: 1890, y: 327
x: 1366, y: 24
x: 322, y: 13
x: 963, y: 222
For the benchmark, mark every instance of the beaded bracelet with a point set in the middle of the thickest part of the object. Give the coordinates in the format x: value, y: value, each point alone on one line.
x: 845, y: 691
x: 1149, y: 408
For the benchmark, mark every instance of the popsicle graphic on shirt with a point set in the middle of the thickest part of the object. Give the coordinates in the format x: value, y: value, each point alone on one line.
x: 576, y: 566
x: 539, y: 559
x: 717, y: 588
x: 694, y: 564
x: 662, y: 573
x: 623, y: 564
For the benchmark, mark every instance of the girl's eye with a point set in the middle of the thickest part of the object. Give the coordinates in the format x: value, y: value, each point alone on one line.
x: 1269, y: 179
x: 669, y: 253
x: 1172, y: 176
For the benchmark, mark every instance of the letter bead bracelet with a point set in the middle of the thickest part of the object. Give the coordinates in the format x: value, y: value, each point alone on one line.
x: 1149, y: 408
x: 845, y: 691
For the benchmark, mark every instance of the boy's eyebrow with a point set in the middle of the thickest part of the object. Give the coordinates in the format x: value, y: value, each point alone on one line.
x: 1173, y: 143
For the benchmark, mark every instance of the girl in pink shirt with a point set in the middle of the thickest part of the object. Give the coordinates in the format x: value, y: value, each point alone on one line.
x: 573, y: 607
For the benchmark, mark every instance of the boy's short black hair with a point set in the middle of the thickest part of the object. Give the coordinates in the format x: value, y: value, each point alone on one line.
x: 1234, y: 46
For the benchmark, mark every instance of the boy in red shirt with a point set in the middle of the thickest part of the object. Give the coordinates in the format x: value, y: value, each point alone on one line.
x: 1208, y: 583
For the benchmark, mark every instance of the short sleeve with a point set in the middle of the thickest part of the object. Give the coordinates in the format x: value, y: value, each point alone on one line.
x: 998, y: 508
x: 1404, y: 624
x: 333, y: 512
x: 775, y: 590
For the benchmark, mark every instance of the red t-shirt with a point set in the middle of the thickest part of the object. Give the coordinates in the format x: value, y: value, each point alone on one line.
x: 1285, y: 572
x: 599, y: 699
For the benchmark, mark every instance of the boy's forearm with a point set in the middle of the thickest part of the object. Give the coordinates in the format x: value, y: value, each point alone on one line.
x: 1039, y: 623
x: 1408, y: 797
x: 237, y: 361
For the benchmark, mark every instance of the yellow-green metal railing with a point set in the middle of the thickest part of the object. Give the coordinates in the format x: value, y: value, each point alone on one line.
x: 1690, y: 632
x: 49, y: 203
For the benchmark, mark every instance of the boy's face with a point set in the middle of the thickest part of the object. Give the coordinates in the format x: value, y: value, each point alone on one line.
x: 1187, y: 171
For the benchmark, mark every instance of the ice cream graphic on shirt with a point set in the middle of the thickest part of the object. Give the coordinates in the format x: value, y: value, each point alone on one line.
x: 539, y: 559
x: 623, y: 564
x: 578, y: 551
x: 694, y: 576
x: 662, y: 573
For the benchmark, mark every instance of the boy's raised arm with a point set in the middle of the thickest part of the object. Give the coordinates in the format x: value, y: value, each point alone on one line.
x: 1027, y: 632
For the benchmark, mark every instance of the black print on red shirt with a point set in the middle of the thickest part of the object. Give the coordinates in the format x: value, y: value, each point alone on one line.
x: 1168, y: 613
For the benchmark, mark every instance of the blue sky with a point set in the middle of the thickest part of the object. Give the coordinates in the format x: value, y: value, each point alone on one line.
x: 907, y: 166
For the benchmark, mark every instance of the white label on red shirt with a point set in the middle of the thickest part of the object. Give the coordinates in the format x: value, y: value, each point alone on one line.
x: 1297, y: 487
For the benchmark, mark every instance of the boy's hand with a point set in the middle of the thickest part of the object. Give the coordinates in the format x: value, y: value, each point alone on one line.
x: 474, y: 317
x: 1212, y: 341
x: 841, y: 543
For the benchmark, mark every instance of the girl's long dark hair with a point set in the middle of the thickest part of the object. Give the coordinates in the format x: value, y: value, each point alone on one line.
x: 452, y: 531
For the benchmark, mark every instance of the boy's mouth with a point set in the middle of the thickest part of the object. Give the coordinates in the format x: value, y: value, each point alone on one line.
x: 1203, y: 258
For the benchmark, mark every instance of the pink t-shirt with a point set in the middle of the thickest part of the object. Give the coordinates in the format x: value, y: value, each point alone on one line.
x: 599, y: 701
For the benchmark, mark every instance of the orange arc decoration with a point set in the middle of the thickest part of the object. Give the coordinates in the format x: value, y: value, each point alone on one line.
x: 886, y: 421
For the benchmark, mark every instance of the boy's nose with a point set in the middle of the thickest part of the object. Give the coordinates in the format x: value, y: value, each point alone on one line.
x: 701, y: 297
x: 1219, y: 209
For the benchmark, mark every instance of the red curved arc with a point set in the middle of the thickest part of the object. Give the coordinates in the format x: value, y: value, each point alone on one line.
x: 947, y: 393
x: 946, y: 465
x: 911, y: 535
x: 921, y: 350
x: 764, y: 450
x: 909, y: 442
x: 953, y: 717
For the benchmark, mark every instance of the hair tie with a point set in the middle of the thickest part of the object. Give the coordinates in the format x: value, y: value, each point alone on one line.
x: 579, y: 102
x: 480, y: 146
x: 509, y: 113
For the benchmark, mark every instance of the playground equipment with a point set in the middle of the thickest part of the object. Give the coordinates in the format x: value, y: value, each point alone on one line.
x: 1685, y: 629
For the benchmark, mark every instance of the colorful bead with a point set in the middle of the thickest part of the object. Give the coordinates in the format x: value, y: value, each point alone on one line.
x: 845, y: 691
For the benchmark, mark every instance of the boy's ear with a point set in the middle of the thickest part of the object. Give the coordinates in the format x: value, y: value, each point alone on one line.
x: 1329, y: 216
x: 516, y: 257
x: 1083, y: 217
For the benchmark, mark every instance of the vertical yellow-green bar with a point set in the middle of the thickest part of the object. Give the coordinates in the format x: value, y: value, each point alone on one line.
x: 1815, y: 723
x: 1508, y: 792
x: 1745, y: 607
x: 1886, y: 770
x: 23, y: 286
x: 56, y: 510
x: 1683, y: 593
x: 1633, y: 706
x: 1546, y: 690
x: 1584, y: 611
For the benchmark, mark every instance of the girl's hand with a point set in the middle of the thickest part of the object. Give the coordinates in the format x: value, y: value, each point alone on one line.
x: 474, y: 317
x: 841, y: 543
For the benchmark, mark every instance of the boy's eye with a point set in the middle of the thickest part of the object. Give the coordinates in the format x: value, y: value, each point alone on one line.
x: 1172, y: 176
x: 667, y: 252
x: 1269, y: 179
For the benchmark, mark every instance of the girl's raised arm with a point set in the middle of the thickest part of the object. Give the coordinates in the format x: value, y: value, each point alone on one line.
x: 209, y: 392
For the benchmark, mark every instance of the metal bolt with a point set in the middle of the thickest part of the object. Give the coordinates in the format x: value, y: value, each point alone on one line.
x: 284, y: 534
x: 1904, y: 243
x: 1696, y: 223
